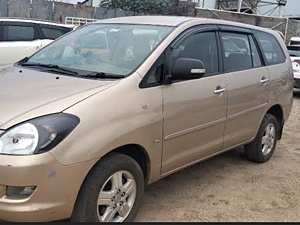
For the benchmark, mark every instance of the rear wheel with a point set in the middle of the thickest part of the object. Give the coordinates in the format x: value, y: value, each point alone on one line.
x: 112, y: 191
x: 263, y: 146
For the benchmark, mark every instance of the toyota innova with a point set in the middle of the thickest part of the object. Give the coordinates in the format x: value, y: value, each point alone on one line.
x: 83, y: 131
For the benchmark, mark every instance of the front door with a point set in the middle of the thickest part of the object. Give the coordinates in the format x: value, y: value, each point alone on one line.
x: 194, y: 111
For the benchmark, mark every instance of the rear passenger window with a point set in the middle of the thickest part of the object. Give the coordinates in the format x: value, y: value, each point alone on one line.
x: 50, y: 33
x: 18, y: 33
x: 271, y: 48
x: 237, y: 52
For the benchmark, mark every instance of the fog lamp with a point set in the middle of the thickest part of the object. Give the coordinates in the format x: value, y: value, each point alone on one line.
x: 19, y: 192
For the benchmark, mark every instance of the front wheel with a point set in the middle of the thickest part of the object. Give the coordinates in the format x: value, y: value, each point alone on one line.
x: 263, y: 146
x: 112, y: 191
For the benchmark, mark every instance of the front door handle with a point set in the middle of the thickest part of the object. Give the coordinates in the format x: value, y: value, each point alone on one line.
x: 264, y: 80
x: 219, y: 90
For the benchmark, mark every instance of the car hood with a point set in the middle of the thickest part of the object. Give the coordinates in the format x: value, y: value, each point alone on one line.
x: 26, y: 94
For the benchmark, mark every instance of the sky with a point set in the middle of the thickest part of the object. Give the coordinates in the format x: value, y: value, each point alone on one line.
x: 292, y: 7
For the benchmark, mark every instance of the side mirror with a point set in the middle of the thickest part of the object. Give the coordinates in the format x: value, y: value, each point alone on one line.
x: 188, y: 69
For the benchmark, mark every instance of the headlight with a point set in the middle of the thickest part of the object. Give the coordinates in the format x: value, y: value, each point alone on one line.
x: 38, y: 135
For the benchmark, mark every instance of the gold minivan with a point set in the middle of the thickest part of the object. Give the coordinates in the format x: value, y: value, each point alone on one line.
x: 83, y: 132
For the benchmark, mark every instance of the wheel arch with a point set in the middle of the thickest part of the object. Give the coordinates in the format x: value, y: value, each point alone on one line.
x: 135, y: 151
x: 139, y: 154
x: 277, y: 112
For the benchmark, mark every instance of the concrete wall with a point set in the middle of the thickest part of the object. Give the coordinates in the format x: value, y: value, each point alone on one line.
x: 17, y: 8
x: 288, y: 27
x: 41, y: 10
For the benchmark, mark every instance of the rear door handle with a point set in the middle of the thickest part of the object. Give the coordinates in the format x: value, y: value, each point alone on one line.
x: 219, y: 90
x: 264, y: 80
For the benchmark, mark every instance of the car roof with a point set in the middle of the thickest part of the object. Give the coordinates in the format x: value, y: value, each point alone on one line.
x: 46, y: 22
x: 153, y: 20
x: 176, y: 21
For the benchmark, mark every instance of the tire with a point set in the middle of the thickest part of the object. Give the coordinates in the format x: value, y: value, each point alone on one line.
x: 112, y: 192
x: 260, y: 152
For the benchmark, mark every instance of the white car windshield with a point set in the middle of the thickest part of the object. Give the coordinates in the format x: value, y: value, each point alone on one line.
x: 117, y: 49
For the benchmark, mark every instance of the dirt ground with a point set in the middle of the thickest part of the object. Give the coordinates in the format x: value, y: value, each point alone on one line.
x: 228, y: 188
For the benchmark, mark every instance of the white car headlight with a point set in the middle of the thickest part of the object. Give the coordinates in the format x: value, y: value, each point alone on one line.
x: 38, y: 135
x: 21, y: 140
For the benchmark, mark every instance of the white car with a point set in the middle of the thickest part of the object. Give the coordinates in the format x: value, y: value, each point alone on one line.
x: 294, y: 51
x: 20, y: 38
x: 295, y: 41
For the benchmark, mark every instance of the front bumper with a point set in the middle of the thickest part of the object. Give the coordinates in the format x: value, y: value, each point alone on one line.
x: 56, y: 191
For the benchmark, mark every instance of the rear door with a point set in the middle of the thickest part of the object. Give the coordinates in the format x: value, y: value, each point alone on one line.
x: 19, y: 39
x: 247, y: 83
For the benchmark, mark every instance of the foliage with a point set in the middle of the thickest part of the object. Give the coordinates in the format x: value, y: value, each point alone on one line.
x: 138, y: 6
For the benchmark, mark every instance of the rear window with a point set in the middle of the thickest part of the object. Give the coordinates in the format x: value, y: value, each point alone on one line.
x: 52, y: 32
x: 271, y: 48
x: 240, y: 52
x: 237, y: 54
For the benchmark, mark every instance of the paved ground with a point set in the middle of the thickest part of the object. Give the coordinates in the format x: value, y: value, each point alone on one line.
x: 229, y: 188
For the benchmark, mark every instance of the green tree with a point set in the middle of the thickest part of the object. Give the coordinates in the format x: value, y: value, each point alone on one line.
x: 138, y: 6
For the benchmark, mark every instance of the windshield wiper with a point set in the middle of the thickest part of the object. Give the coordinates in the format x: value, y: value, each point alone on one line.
x: 102, y: 75
x: 51, y: 67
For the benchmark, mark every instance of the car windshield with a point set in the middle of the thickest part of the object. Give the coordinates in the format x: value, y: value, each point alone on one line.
x: 112, y: 49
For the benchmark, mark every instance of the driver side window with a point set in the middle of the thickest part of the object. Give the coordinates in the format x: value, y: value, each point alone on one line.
x: 200, y: 46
